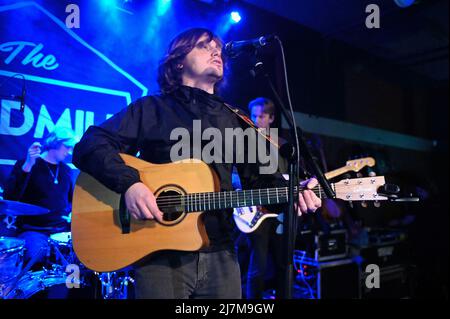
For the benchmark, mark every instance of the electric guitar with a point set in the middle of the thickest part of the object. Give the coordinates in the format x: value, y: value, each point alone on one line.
x: 106, y: 238
x: 248, y: 219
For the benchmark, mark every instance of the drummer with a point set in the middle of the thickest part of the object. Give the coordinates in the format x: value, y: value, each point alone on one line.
x: 43, y: 179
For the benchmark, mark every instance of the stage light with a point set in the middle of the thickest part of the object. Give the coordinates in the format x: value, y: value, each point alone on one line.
x: 108, y: 3
x: 162, y: 7
x: 235, y: 17
x: 404, y: 3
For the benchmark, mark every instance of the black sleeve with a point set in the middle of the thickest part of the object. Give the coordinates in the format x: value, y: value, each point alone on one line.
x: 251, y: 178
x: 252, y: 175
x: 98, y: 151
x: 17, y: 182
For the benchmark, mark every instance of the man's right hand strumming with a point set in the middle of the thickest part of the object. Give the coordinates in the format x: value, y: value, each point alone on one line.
x: 33, y: 152
x: 141, y: 203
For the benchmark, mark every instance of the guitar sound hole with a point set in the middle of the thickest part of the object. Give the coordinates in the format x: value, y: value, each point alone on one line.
x: 169, y: 203
x: 170, y: 217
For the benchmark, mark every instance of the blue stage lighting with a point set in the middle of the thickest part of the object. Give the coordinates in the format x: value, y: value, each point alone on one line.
x: 162, y: 7
x: 235, y: 17
x: 404, y: 3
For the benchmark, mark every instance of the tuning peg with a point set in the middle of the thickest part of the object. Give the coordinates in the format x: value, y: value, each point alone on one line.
x: 376, y: 204
x: 364, y: 204
x: 350, y: 203
x: 372, y: 173
x: 280, y: 217
x: 359, y: 175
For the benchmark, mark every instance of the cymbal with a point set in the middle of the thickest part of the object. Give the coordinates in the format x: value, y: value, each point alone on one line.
x: 13, y: 208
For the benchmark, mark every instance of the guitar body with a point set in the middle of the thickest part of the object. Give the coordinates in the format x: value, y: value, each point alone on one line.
x: 97, y: 234
x: 106, y: 239
x: 248, y: 219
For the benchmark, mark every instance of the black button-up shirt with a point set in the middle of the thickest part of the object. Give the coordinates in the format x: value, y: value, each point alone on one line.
x: 145, y: 127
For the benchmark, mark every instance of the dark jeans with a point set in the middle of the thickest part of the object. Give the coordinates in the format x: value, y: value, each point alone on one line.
x: 262, y: 241
x: 183, y: 275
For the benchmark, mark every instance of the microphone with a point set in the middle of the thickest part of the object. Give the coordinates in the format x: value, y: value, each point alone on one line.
x: 22, y: 99
x: 234, y: 48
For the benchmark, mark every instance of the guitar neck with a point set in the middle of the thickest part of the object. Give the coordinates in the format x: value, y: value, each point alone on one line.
x: 232, y: 199
x: 195, y: 202
x: 357, y: 189
x: 336, y: 172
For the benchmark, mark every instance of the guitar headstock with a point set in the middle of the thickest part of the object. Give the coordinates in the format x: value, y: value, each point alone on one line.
x: 360, y: 189
x: 358, y: 164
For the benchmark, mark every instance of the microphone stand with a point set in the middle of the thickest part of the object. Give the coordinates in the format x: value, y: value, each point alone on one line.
x: 312, y: 160
x: 292, y: 153
x: 14, y: 98
x: 20, y: 98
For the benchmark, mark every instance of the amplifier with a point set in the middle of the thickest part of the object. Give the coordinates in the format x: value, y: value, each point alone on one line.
x: 384, y: 248
x: 323, y: 246
x: 337, y: 279
x: 396, y: 282
x: 389, y: 250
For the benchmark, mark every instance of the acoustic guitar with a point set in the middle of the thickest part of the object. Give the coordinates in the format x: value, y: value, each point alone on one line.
x: 105, y: 237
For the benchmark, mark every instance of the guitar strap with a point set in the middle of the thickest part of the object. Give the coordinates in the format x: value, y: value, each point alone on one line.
x: 245, y: 118
x: 124, y: 216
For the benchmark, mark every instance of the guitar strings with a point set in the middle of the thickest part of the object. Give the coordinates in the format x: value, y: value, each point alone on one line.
x: 205, y: 198
x: 194, y: 206
x: 202, y: 197
x: 263, y: 191
x: 216, y: 205
x: 195, y: 201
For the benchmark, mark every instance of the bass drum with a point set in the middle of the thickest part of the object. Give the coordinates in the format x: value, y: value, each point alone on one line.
x: 47, y: 284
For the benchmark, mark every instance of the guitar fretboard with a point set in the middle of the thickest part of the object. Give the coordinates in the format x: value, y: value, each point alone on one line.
x: 232, y: 199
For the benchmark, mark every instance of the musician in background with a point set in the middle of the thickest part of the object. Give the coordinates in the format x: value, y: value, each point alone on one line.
x: 43, y: 179
x: 264, y: 239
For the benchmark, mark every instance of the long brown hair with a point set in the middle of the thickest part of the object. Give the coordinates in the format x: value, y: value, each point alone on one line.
x: 169, y: 75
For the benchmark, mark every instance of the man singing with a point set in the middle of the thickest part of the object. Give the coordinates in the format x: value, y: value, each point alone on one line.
x: 189, y: 76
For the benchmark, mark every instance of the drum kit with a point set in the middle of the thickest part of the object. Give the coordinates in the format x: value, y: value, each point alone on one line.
x: 62, y: 275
